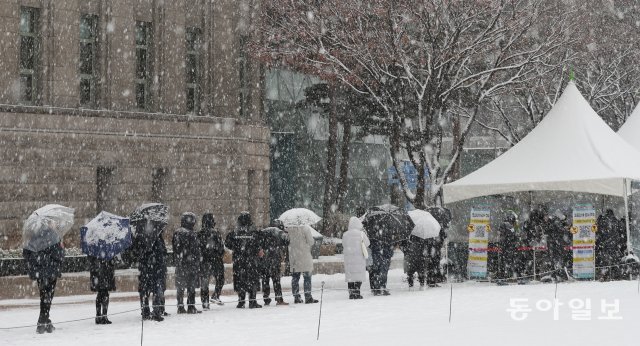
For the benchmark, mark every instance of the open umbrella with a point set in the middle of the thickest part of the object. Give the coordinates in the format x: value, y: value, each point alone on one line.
x: 46, y: 226
x: 299, y: 217
x: 150, y: 211
x: 426, y: 226
x: 106, y: 236
x: 387, y: 222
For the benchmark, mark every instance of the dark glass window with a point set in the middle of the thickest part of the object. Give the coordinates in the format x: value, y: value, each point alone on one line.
x: 243, y: 77
x: 29, y: 52
x: 193, y: 38
x: 87, y: 61
x: 143, y: 63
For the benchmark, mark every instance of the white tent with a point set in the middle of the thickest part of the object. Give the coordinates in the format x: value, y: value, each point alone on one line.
x: 630, y: 131
x: 571, y: 149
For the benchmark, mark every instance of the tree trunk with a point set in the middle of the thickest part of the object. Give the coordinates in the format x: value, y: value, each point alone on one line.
x: 455, y: 170
x: 330, y: 170
x: 343, y: 183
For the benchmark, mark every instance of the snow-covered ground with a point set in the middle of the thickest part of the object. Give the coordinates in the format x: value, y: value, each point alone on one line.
x: 479, y: 316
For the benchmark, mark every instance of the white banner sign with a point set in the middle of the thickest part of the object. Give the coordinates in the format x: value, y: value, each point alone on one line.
x: 479, y: 229
x: 584, y: 240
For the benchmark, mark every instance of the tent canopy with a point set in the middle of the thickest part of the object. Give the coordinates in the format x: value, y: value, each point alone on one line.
x: 630, y: 131
x: 571, y: 149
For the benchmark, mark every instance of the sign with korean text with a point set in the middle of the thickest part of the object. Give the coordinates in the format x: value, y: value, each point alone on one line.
x: 479, y: 229
x: 584, y: 240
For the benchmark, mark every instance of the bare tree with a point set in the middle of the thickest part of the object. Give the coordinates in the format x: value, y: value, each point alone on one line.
x: 422, y: 62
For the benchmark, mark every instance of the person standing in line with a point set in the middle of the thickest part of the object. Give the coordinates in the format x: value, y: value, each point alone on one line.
x: 244, y: 241
x: 186, y: 250
x: 103, y: 280
x: 274, y: 242
x: 355, y: 243
x: 212, y: 264
x: 151, y: 252
x: 301, y: 261
x: 44, y: 268
x: 508, y: 267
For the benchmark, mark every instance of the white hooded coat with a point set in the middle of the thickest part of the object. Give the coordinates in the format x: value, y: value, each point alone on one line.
x: 300, y: 243
x: 355, y: 264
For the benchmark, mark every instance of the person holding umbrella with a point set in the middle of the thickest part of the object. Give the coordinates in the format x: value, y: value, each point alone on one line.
x: 385, y: 225
x: 274, y: 242
x: 150, y: 221
x: 186, y: 250
x: 212, y: 251
x: 355, y: 243
x: 102, y: 239
x: 297, y: 223
x: 43, y: 252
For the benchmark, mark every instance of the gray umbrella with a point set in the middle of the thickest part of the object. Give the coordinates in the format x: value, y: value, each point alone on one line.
x: 46, y: 226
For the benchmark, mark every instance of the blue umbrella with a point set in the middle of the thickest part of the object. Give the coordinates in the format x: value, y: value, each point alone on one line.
x: 105, y: 236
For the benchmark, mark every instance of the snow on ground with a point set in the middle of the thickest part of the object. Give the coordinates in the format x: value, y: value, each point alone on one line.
x: 479, y: 316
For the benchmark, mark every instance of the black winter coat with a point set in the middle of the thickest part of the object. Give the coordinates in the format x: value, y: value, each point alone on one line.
x: 102, y: 274
x: 415, y: 254
x: 152, y: 265
x: 245, y: 241
x: 274, y: 243
x: 508, y: 237
x: 611, y: 239
x: 186, y: 252
x: 44, y: 266
x: 211, y: 251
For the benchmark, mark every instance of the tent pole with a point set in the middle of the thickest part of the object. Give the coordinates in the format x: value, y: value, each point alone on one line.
x: 626, y: 215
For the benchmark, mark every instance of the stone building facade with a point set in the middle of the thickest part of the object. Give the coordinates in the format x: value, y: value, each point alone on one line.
x: 106, y: 104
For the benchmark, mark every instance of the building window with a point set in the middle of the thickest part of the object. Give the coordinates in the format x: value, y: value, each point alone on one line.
x: 29, y: 53
x: 88, y: 48
x: 243, y: 76
x: 143, y: 64
x: 193, y: 37
x: 159, y: 184
x: 104, y: 188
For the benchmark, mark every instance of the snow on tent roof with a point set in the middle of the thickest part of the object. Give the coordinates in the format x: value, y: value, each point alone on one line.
x: 571, y: 149
x: 630, y: 131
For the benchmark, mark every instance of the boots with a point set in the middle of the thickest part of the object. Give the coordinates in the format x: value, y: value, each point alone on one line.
x: 216, y: 300
x: 310, y: 300
x: 241, y: 297
x: 192, y: 310
x: 280, y: 301
x: 267, y: 301
x: 181, y: 309
x: 253, y: 302
x: 297, y: 300
x: 42, y: 325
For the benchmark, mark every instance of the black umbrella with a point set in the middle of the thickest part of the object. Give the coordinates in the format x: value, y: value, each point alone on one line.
x: 388, y: 222
x: 150, y: 211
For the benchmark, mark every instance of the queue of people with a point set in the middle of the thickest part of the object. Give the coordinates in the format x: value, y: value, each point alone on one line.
x: 547, y: 235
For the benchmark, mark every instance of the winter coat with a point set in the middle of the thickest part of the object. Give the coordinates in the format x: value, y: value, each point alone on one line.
x: 211, y: 251
x: 186, y: 252
x: 102, y: 274
x: 300, y: 243
x: 245, y: 241
x: 558, y: 235
x: 44, y: 266
x: 355, y: 263
x: 274, y: 244
x: 611, y: 239
x: 152, y: 264
x: 508, y: 237
x: 415, y: 254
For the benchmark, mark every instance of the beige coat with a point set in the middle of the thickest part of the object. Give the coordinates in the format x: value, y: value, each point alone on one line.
x: 300, y: 242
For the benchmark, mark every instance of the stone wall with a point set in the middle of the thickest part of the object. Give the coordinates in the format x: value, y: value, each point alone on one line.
x: 56, y: 151
x: 211, y: 164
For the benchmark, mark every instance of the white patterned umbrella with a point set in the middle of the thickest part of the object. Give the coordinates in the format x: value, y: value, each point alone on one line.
x: 299, y: 217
